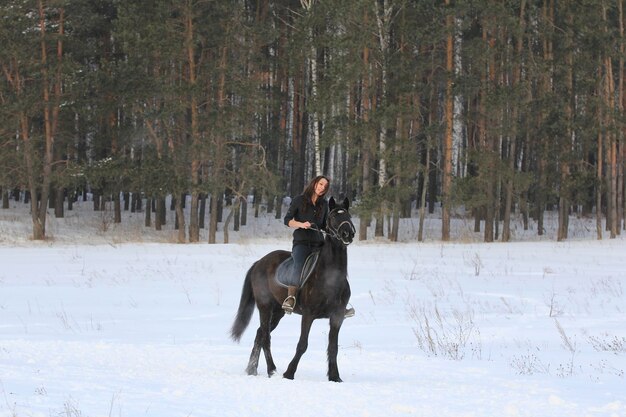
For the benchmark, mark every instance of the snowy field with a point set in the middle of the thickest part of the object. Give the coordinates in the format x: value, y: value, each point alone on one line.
x: 115, y: 320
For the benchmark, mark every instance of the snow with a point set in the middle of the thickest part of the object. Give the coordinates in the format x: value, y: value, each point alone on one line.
x: 116, y: 320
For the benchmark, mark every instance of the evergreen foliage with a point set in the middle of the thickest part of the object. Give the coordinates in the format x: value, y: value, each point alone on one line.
x: 231, y: 99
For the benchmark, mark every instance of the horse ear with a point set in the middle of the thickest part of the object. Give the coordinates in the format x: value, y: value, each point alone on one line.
x: 346, y: 203
x: 331, y: 203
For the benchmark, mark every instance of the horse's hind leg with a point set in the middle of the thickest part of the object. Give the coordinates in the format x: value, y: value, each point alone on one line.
x: 260, y: 341
x: 303, y: 344
x: 275, y: 317
x: 253, y: 363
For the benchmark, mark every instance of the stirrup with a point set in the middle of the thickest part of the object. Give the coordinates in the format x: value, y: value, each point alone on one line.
x: 288, y: 305
x: 350, y: 312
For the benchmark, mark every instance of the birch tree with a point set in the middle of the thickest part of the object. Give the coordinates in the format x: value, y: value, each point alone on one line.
x: 449, y: 120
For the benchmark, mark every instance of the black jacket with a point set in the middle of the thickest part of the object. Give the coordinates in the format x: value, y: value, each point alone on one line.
x: 302, y: 211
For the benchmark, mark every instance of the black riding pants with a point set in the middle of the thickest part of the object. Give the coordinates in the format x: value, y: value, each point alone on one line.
x: 299, y: 253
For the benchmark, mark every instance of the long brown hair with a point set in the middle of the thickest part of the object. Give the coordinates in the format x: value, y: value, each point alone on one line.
x: 309, y: 190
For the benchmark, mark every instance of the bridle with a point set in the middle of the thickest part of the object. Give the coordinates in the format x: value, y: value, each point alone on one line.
x: 334, y: 232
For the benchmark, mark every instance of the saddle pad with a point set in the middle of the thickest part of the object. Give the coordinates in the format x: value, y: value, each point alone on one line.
x: 285, y: 275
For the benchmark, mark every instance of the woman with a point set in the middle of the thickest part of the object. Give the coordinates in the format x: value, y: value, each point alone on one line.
x: 307, y: 214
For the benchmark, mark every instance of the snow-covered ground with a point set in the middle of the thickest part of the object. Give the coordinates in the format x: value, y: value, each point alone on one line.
x: 117, y: 320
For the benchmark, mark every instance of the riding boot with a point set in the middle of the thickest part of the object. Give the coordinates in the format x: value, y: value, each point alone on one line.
x: 350, y: 312
x: 290, y: 302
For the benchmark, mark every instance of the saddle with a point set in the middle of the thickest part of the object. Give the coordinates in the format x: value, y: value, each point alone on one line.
x: 285, y: 275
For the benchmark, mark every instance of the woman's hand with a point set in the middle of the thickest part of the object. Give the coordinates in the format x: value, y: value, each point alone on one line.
x: 299, y: 225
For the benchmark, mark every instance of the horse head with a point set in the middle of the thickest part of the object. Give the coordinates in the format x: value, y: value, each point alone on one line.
x: 339, y: 224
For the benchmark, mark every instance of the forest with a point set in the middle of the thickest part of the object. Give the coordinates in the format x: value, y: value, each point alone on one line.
x: 504, y: 108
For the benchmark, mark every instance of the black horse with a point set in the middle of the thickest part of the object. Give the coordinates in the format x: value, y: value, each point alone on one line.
x: 325, y: 294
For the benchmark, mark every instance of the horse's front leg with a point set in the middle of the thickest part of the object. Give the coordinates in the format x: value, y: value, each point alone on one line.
x: 333, y: 346
x: 303, y: 344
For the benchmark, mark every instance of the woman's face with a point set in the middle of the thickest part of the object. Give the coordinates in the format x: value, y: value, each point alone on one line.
x: 321, y: 187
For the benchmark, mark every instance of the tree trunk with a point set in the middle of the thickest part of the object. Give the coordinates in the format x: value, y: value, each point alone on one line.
x: 59, y: 199
x: 158, y: 215
x: 236, y: 215
x: 312, y: 59
x: 548, y: 57
x: 202, y: 215
x: 599, y: 190
x: 401, y: 146
x: 148, y: 220
x: 489, y: 120
x: 506, y: 227
x: 233, y: 210
x: 194, y: 229
x: 213, y: 218
x: 180, y: 215
x: 420, y: 232
x: 316, y: 123
x: 599, y: 161
x: 297, y: 94
x: 366, y: 105
x: 383, y: 20
x: 620, y: 105
x: 611, y: 154
x: 244, y: 211
x: 162, y: 210
x: 50, y: 118
x: 29, y: 155
x: 517, y: 76
x: 564, y: 197
x: 219, y: 163
x: 447, y: 138
x: 117, y: 207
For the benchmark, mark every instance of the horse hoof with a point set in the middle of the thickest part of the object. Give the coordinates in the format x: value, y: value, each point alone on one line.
x: 335, y: 379
x: 288, y: 376
x: 251, y: 372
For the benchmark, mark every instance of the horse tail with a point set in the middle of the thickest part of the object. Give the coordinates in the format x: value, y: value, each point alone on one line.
x: 246, y: 308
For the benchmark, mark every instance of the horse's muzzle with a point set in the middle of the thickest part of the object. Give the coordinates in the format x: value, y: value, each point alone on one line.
x: 346, y: 237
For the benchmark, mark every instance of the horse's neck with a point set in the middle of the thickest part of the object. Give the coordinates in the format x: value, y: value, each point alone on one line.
x: 336, y: 254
